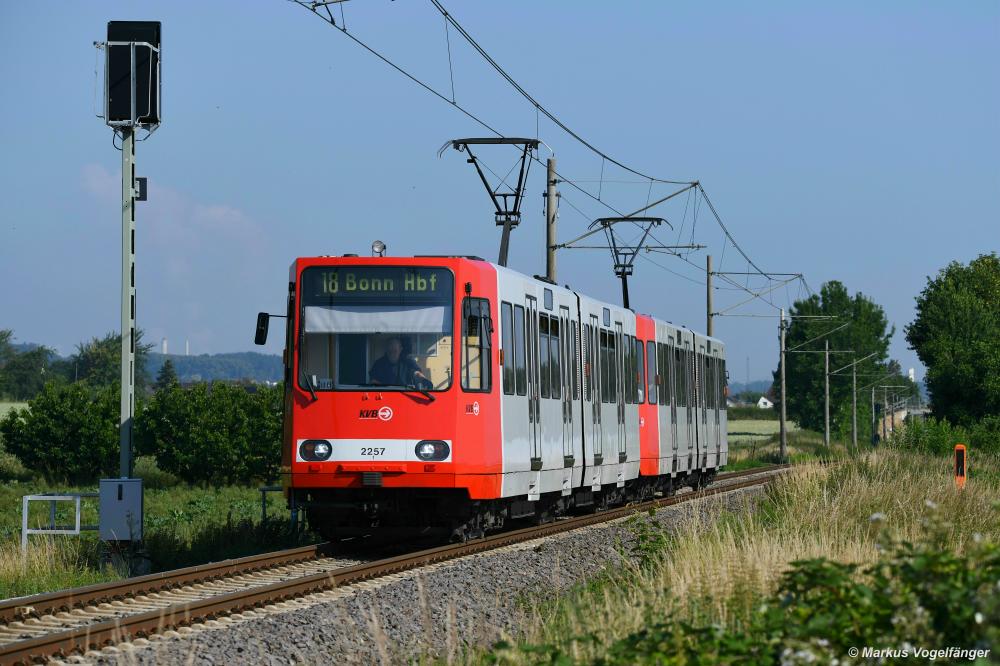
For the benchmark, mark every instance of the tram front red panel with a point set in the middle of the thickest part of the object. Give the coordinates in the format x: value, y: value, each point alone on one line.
x: 377, y: 430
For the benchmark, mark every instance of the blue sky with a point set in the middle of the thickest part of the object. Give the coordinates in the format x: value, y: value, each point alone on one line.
x: 855, y: 141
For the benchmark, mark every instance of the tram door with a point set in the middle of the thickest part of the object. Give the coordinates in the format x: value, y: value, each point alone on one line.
x: 703, y: 384
x: 689, y: 397
x: 618, y: 360
x: 672, y: 371
x: 568, y: 353
x: 534, y: 401
x: 595, y: 372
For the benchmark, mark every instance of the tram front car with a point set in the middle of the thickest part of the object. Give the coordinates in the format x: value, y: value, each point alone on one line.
x: 388, y: 419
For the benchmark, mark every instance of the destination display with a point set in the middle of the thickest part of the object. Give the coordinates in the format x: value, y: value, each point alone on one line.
x: 357, y: 284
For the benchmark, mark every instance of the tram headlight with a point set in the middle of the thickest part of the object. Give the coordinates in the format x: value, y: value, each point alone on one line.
x: 315, y: 450
x: 432, y: 449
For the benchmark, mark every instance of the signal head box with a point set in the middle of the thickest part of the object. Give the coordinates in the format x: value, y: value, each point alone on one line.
x: 121, y: 69
x: 120, y: 504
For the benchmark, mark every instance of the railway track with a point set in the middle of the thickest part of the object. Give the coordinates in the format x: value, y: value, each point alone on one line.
x: 34, y: 629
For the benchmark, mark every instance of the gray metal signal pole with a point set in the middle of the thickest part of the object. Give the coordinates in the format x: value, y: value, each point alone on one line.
x: 826, y: 404
x: 551, y: 208
x: 128, y: 298
x: 781, y: 362
x: 709, y: 328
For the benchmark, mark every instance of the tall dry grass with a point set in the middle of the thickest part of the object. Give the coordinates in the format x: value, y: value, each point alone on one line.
x: 50, y: 563
x: 719, y: 563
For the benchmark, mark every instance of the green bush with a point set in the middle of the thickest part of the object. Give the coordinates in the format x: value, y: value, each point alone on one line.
x: 939, y: 437
x: 218, y: 433
x: 67, y: 433
x: 985, y: 435
x: 916, y: 596
x: 751, y: 413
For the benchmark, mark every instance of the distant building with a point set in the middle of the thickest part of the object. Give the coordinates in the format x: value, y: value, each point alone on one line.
x: 764, y: 403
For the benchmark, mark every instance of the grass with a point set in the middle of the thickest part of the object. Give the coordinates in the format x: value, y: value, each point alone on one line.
x: 184, y: 525
x: 719, y: 564
x: 756, y: 442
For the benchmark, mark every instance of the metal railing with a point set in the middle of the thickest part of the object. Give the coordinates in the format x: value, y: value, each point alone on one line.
x: 52, y: 498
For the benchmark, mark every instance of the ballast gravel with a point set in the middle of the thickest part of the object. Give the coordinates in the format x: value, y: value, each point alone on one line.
x: 435, y: 611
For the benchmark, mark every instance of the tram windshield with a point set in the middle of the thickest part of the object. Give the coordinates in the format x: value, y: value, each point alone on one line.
x: 376, y: 326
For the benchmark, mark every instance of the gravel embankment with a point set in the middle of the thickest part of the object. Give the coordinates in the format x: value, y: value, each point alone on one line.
x: 436, y: 610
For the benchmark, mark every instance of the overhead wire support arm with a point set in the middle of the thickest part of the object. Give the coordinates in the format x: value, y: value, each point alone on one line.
x: 507, y: 205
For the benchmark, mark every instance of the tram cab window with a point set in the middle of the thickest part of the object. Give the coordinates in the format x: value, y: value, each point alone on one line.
x: 477, y: 329
x: 366, y: 326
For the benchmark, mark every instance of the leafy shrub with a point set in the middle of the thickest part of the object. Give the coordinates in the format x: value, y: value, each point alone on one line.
x: 985, y: 435
x: 931, y: 436
x: 218, y: 433
x: 939, y: 437
x: 752, y: 413
x: 67, y: 433
x: 916, y: 596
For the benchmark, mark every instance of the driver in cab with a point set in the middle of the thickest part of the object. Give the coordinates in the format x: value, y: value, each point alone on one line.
x: 396, y: 368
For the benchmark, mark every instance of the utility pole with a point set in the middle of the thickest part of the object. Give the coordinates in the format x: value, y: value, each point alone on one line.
x: 874, y: 428
x: 127, y: 411
x: 781, y: 363
x: 885, y: 403
x: 826, y: 404
x: 854, y: 406
x: 551, y: 207
x: 710, y: 327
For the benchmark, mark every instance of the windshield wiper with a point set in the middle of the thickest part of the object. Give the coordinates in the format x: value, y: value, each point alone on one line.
x: 407, y: 387
x: 309, y: 385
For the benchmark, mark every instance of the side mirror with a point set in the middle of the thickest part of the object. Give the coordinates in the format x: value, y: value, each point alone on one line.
x: 263, y: 319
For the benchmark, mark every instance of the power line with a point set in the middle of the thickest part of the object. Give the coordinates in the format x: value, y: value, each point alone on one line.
x: 539, y: 108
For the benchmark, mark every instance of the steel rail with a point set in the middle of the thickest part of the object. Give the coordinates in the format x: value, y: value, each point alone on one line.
x: 20, y: 608
x: 100, y: 634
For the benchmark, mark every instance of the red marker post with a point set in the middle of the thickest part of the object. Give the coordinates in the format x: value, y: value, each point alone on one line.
x: 961, y: 466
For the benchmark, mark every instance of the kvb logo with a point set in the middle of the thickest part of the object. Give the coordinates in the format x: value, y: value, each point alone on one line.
x: 383, y: 414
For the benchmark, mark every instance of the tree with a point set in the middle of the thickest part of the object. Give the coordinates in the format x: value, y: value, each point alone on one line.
x: 868, y: 332
x: 68, y: 432
x: 956, y: 334
x: 25, y: 373
x: 98, y: 362
x: 6, y: 348
x: 214, y: 433
x: 167, y: 376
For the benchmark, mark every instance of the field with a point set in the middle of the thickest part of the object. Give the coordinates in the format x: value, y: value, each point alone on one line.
x: 7, y: 406
x: 710, y: 583
x: 184, y: 525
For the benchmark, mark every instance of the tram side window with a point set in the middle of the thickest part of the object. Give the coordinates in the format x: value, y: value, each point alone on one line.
x: 664, y: 370
x: 507, y: 343
x: 477, y: 328
x: 543, y: 352
x: 723, y: 383
x: 680, y: 372
x: 605, y: 366
x: 520, y: 361
x: 554, y: 366
x: 640, y: 371
x: 651, y: 372
x: 576, y: 361
x: 626, y: 368
x: 588, y: 363
x: 612, y: 368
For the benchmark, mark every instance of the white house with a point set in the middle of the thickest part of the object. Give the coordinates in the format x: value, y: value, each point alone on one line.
x: 764, y: 403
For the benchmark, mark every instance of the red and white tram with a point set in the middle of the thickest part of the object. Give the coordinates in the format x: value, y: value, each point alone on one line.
x: 450, y: 392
